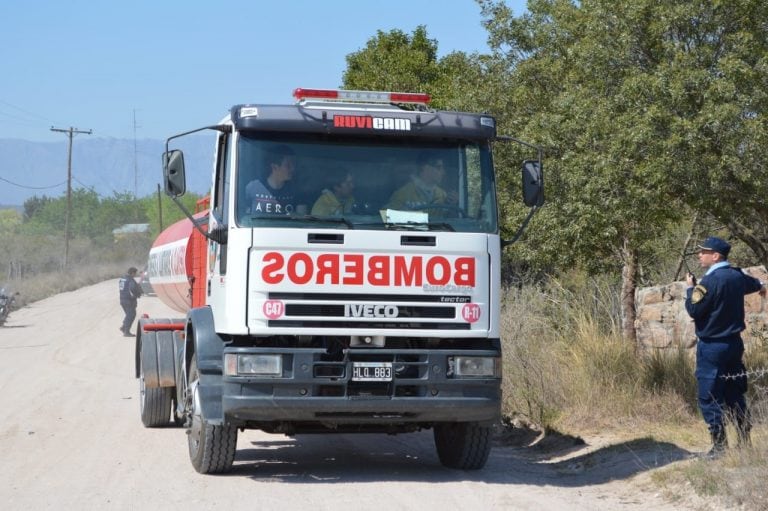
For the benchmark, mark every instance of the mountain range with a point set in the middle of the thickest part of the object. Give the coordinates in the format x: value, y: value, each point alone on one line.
x: 105, y: 165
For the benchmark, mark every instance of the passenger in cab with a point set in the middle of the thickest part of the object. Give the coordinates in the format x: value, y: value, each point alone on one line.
x: 336, y: 200
x: 273, y: 195
x: 423, y: 189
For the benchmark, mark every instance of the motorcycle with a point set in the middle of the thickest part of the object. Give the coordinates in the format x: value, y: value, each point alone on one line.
x: 7, y: 301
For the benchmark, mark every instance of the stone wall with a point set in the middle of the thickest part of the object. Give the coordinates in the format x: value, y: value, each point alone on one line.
x: 662, y: 321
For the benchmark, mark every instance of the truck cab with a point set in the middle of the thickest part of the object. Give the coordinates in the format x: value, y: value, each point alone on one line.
x: 351, y: 276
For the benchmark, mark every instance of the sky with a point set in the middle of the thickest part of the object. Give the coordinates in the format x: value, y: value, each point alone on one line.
x: 153, y: 68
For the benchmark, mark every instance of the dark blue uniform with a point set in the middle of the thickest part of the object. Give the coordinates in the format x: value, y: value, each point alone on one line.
x: 716, y: 305
x: 130, y: 291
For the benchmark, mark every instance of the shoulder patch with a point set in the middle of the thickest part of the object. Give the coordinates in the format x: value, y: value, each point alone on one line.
x: 698, y: 294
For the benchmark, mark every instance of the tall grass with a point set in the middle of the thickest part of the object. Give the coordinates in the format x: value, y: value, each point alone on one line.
x: 567, y: 366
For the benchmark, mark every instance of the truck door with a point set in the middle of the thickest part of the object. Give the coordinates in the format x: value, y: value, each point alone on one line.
x: 219, y: 218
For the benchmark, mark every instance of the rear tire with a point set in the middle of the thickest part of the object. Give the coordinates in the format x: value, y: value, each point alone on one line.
x: 155, y: 404
x: 211, y: 447
x: 463, y: 445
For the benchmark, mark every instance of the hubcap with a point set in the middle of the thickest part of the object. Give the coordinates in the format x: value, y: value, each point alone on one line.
x: 196, y: 426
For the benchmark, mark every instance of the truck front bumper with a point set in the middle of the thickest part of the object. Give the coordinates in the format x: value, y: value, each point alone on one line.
x: 422, y: 389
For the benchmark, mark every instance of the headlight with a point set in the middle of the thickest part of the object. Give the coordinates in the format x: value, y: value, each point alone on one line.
x: 256, y: 365
x: 474, y: 367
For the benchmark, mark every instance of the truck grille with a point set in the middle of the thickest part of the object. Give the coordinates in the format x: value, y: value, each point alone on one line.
x: 408, y: 311
x: 438, y: 312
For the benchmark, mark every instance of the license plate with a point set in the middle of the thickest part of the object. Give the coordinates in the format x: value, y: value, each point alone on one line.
x: 371, y: 371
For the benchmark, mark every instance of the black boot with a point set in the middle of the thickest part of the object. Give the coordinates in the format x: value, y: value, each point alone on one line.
x: 719, y: 444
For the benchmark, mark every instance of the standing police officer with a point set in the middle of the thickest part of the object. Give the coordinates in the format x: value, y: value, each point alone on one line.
x: 716, y: 305
x: 130, y: 291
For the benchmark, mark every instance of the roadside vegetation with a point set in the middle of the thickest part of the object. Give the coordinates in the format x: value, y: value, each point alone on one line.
x: 32, y: 254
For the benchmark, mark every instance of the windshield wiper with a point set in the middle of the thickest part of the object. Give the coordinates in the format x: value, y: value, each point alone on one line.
x: 410, y: 226
x: 421, y: 226
x: 304, y: 218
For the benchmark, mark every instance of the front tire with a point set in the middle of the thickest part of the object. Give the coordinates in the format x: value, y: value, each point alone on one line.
x: 463, y: 445
x: 211, y: 447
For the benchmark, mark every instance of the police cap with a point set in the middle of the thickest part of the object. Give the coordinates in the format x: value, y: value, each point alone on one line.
x: 716, y: 245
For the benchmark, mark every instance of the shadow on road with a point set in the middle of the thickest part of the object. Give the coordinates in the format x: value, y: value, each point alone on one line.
x: 565, y: 461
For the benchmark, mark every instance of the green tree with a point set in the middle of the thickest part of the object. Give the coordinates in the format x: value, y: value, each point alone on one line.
x: 33, y: 204
x: 91, y: 217
x: 394, y: 61
x: 712, y: 74
x: 643, y: 111
x: 10, y: 219
x: 171, y: 213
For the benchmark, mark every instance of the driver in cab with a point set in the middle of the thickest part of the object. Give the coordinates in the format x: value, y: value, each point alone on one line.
x: 423, y: 189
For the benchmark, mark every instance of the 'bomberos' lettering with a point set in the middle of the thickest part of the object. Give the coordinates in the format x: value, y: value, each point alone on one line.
x: 301, y: 268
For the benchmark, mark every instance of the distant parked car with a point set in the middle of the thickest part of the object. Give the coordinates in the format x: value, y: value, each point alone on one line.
x: 146, y: 285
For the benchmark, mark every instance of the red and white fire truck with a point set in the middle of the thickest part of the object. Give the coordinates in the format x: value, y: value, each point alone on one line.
x: 379, y: 316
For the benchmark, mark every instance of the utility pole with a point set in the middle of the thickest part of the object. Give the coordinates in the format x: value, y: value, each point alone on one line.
x: 71, y: 132
x: 160, y: 206
x: 135, y: 159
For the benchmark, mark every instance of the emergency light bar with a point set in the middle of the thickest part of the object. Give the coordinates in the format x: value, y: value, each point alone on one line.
x: 362, y: 96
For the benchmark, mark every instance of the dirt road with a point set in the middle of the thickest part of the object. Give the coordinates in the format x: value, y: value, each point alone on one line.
x: 71, y: 438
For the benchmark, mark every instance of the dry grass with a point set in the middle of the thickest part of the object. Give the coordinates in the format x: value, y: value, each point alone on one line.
x: 567, y: 369
x: 737, y: 480
x: 43, y: 285
x: 566, y: 366
x: 88, y: 264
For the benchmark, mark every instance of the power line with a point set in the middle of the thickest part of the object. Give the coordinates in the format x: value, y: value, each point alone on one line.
x: 32, y: 187
x: 24, y: 111
x: 20, y: 116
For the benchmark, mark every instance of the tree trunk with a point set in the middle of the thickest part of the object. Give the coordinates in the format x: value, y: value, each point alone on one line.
x: 682, y: 261
x: 754, y: 240
x: 628, y: 285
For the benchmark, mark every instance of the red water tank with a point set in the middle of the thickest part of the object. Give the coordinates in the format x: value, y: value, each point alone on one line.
x: 177, y: 264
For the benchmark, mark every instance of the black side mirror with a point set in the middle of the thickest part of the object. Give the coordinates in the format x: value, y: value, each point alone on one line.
x: 173, y: 173
x: 533, y: 183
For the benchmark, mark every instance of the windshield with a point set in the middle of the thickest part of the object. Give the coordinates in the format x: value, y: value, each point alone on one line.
x: 354, y: 183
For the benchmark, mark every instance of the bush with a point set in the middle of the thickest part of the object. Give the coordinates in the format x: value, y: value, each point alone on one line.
x: 566, y: 365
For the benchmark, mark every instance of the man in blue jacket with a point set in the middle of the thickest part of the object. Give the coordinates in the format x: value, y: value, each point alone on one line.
x: 130, y: 291
x: 716, y: 305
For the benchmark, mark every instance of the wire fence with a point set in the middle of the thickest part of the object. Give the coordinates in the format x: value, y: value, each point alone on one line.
x: 749, y: 374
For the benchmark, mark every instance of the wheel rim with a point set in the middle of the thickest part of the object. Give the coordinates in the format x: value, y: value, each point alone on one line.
x: 142, y: 389
x: 196, y: 426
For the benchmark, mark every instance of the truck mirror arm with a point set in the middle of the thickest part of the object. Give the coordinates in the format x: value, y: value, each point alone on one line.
x: 224, y: 128
x: 216, y: 237
x: 535, y: 207
x: 506, y: 243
